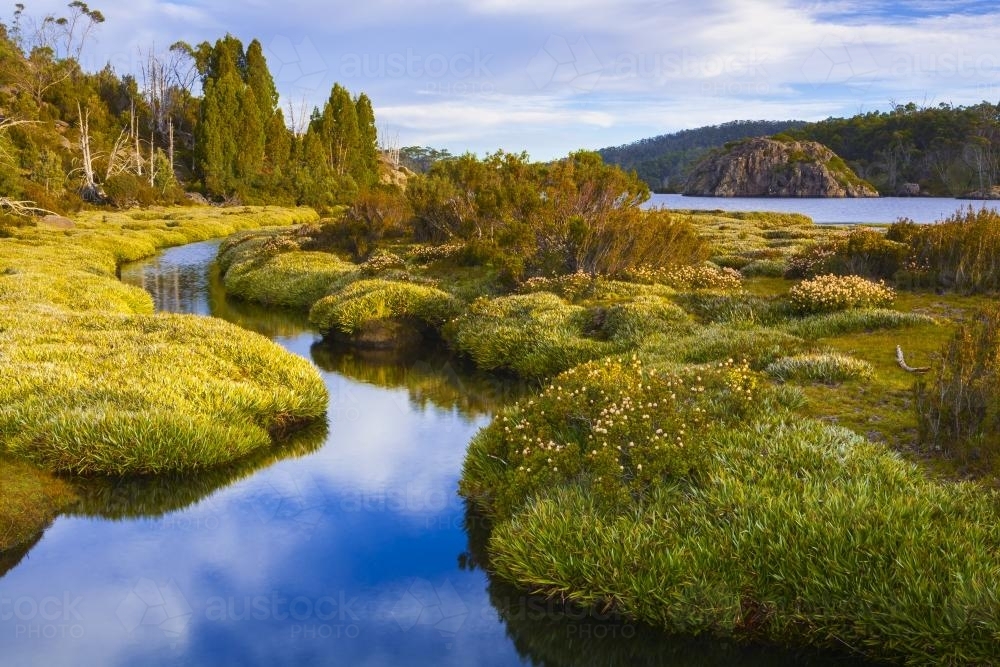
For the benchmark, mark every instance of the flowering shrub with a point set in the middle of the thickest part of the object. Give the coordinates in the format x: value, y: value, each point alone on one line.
x: 830, y: 293
x: 612, y: 424
x: 381, y: 260
x: 433, y: 253
x: 571, y: 286
x: 706, y: 276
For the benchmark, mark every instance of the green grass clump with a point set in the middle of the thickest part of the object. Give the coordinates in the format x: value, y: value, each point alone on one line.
x: 120, y: 394
x: 784, y: 531
x: 91, y: 383
x: 273, y: 271
x: 759, y: 346
x: 369, y: 301
x: 739, y: 308
x: 828, y: 368
x: 533, y: 335
x: 855, y: 321
x: 630, y: 322
x: 768, y: 268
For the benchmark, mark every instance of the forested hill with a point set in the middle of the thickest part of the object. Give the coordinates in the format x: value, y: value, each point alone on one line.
x: 945, y: 150
x: 202, y: 118
x: 664, y: 162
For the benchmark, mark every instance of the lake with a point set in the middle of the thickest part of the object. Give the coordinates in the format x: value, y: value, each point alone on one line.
x: 862, y: 210
x: 348, y: 545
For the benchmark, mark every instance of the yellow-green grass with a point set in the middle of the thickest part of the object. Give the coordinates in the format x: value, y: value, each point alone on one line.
x: 92, y: 382
x: 368, y: 301
x: 692, y: 500
x: 271, y: 269
x: 531, y: 335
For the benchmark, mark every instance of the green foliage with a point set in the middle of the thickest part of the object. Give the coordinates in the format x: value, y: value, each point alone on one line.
x: 959, y: 405
x: 611, y: 426
x: 758, y: 346
x: 829, y: 368
x: 854, y: 321
x: 94, y: 384
x: 862, y: 252
x: 368, y: 301
x: 273, y: 271
x: 532, y: 335
x: 961, y: 252
x: 791, y: 532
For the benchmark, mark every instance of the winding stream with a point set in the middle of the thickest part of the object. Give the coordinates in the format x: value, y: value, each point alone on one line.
x: 346, y: 546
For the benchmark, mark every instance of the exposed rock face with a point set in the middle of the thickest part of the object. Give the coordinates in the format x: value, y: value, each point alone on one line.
x: 765, y: 167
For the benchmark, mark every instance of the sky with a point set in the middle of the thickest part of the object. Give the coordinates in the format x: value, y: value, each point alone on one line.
x: 552, y: 76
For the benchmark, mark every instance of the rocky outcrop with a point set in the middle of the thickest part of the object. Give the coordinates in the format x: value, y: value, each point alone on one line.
x: 763, y: 167
x: 986, y: 193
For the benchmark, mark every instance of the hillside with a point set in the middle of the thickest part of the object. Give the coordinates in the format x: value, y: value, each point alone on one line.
x: 945, y: 150
x: 763, y: 167
x: 664, y: 162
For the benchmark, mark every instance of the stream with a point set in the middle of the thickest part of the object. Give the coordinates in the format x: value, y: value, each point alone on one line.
x: 348, y: 545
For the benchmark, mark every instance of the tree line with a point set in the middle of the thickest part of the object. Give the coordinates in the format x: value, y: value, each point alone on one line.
x: 202, y: 117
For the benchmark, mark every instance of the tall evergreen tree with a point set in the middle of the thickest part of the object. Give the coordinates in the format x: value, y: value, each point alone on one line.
x: 366, y: 164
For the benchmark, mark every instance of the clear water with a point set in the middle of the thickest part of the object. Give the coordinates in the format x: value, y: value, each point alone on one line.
x: 348, y: 546
x: 868, y: 210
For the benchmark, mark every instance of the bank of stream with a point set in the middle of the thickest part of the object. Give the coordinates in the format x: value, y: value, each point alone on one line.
x: 346, y: 545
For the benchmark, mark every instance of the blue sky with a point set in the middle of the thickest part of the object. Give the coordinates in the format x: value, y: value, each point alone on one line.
x: 551, y: 76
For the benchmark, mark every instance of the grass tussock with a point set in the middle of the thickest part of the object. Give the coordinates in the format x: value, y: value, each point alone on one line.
x: 92, y: 383
x: 855, y: 321
x: 271, y: 269
x: 641, y: 496
x: 758, y: 346
x: 532, y: 335
x: 368, y: 301
x: 828, y: 368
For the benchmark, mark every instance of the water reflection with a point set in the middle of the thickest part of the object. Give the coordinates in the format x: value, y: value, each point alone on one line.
x: 431, y: 376
x: 157, y: 495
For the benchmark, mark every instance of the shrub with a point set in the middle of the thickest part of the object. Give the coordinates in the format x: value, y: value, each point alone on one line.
x: 532, y: 335
x: 381, y: 261
x: 372, y: 300
x: 827, y: 368
x: 705, y: 276
x: 612, y: 425
x: 832, y: 293
x: 962, y: 252
x: 959, y: 404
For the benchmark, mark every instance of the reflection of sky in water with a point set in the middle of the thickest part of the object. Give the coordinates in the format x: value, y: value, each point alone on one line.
x: 348, y: 555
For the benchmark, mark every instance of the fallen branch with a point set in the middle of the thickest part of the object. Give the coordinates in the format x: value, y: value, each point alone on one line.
x: 23, y: 208
x: 906, y: 367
